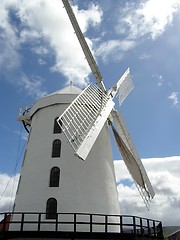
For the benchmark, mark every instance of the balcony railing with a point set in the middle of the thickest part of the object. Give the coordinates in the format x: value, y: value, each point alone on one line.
x: 74, y: 225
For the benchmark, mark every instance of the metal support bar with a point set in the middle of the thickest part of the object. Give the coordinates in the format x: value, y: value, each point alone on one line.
x: 39, y: 222
x: 74, y: 222
x: 134, y: 225
x: 22, y: 222
x: 91, y: 229
x: 4, y: 222
x: 106, y: 223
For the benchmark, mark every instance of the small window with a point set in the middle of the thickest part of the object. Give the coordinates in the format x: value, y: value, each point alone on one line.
x: 56, y: 148
x: 57, y: 128
x: 54, y: 177
x: 51, y: 208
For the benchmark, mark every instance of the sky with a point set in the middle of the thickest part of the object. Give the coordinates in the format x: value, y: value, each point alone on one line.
x: 40, y: 54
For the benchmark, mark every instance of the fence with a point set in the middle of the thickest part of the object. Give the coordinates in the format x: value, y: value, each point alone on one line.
x: 75, y: 223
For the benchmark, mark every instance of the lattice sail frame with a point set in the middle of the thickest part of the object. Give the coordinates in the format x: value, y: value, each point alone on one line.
x: 83, y: 120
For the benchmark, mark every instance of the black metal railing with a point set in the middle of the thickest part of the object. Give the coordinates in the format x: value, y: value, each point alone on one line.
x: 81, y: 222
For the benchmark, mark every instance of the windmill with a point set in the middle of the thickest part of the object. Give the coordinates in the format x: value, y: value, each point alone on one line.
x: 85, y: 117
x: 61, y: 196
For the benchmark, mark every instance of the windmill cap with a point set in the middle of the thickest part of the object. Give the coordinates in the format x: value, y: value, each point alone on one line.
x: 62, y: 96
x: 67, y: 90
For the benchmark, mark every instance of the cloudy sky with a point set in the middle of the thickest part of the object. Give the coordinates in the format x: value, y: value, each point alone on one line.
x: 39, y: 54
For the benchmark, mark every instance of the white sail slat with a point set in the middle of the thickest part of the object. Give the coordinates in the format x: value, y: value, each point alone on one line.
x: 83, y: 120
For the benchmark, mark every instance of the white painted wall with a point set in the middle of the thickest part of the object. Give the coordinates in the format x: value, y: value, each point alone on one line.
x: 85, y: 186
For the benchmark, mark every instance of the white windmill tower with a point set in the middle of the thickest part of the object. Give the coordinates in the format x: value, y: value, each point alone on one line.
x: 54, y: 179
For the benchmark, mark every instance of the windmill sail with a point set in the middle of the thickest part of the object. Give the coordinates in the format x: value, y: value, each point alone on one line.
x: 123, y: 87
x: 131, y: 157
x: 85, y: 117
x: 89, y: 57
x: 83, y: 120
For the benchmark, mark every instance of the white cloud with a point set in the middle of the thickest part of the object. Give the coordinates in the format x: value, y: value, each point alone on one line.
x: 91, y: 17
x: 160, y: 80
x: 134, y: 21
x: 41, y: 61
x: 40, y: 50
x: 164, y: 176
x: 150, y: 17
x: 114, y: 49
x: 9, y: 45
x: 52, y: 30
x: 144, y: 56
x: 32, y: 86
x: 174, y: 98
x: 8, y: 186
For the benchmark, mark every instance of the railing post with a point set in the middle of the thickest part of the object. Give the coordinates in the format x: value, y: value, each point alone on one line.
x: 4, y: 222
x: 56, y: 222
x: 159, y: 230
x: 106, y: 223
x: 39, y: 221
x: 91, y: 223
x: 121, y: 224
x: 154, y: 228
x: 74, y: 222
x: 149, y: 230
x: 141, y: 226
x: 22, y: 222
x: 134, y: 225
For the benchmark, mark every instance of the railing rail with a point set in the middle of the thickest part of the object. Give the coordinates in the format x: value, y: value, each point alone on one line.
x: 81, y: 222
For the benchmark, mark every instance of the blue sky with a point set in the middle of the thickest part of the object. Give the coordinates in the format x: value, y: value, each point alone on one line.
x: 40, y: 54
